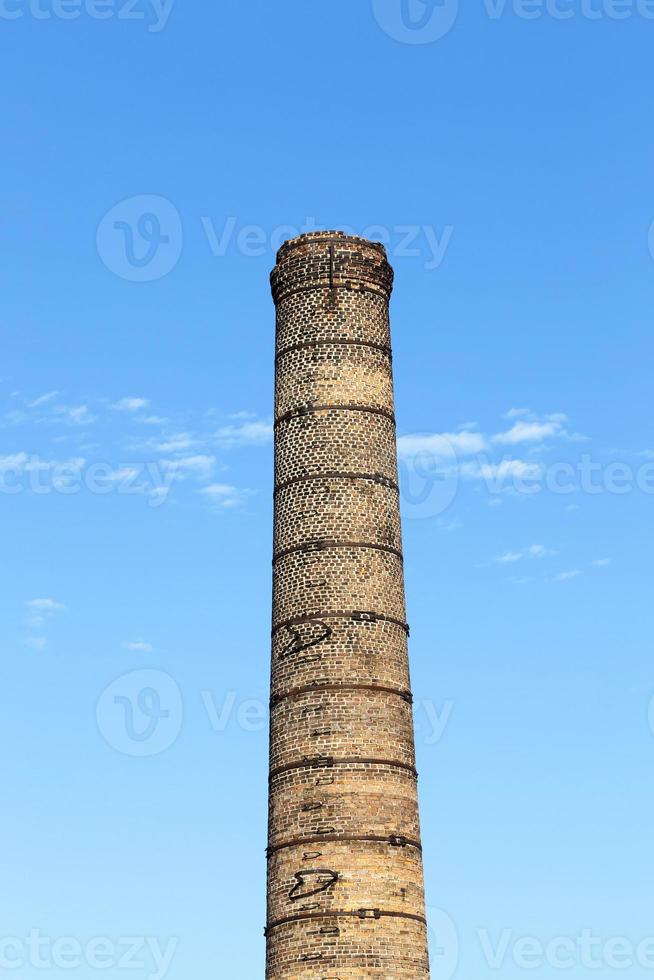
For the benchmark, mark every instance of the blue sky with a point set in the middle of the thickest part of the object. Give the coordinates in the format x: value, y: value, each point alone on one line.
x: 152, y: 159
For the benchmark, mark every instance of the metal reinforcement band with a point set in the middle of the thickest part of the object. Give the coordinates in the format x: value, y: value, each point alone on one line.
x: 303, y: 410
x: 325, y: 543
x: 356, y: 913
x: 333, y: 342
x: 379, y: 478
x: 394, y: 840
x: 356, y: 615
x: 329, y: 762
x: 296, y: 692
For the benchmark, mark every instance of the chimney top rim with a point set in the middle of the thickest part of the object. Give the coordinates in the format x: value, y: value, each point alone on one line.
x: 329, y: 237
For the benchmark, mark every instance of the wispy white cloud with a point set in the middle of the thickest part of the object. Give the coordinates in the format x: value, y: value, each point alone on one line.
x: 540, y: 551
x: 45, y: 605
x: 517, y: 413
x: 138, y: 646
x: 248, y: 433
x: 527, y: 432
x: 535, y: 551
x: 36, y: 642
x: 504, y: 470
x: 448, y: 526
x: 186, y: 465
x: 469, y: 452
x: 131, y: 404
x: 121, y: 474
x: 15, y: 417
x: 224, y: 496
x: 40, y: 610
x: 531, y: 428
x: 170, y: 453
x: 42, y: 399
x: 566, y: 576
x: 442, y: 445
x: 602, y: 562
x: 75, y: 414
x: 179, y: 442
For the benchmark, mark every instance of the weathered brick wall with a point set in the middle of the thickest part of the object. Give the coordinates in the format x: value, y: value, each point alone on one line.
x: 345, y: 881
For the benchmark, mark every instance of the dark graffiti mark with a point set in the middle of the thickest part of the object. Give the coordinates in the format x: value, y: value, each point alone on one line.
x: 298, y: 645
x: 305, y: 887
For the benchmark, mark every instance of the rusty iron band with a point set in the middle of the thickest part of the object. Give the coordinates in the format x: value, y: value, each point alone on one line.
x: 296, y: 413
x: 328, y: 762
x: 394, y: 840
x: 308, y: 344
x: 296, y: 692
x: 357, y: 914
x: 356, y: 615
x: 383, y: 481
x: 312, y: 547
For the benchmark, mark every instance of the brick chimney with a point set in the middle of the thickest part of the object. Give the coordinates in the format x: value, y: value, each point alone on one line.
x: 345, y: 878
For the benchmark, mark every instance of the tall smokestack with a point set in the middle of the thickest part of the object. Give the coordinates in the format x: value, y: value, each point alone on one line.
x: 345, y: 878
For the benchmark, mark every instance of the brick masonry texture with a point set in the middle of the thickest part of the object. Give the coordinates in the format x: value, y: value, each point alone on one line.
x: 345, y: 879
